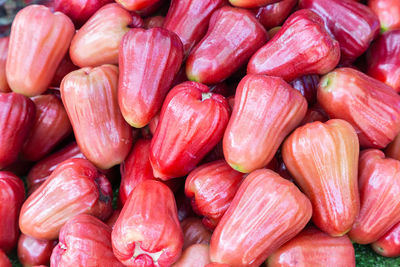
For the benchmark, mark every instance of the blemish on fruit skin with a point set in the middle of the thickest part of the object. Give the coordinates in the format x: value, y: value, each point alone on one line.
x: 192, y: 77
x: 62, y: 246
x: 327, y: 82
x: 205, y: 96
x: 237, y: 168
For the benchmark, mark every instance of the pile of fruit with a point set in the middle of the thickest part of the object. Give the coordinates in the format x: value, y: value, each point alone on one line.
x: 193, y: 133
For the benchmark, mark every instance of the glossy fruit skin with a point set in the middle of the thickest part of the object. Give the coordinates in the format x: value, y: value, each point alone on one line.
x: 301, y: 47
x: 143, y: 236
x: 153, y: 22
x: 307, y: 85
x: 32, y: 251
x: 313, y: 247
x: 352, y: 24
x: 135, y: 169
x: 194, y: 256
x: 90, y: 99
x: 233, y: 36
x: 383, y: 61
x: 251, y: 3
x: 137, y: 5
x: 51, y: 126
x: 84, y: 241
x: 149, y: 60
x: 75, y: 187
x: 17, y: 114
x: 273, y: 15
x: 323, y: 160
x: 189, y: 19
x: 389, y: 244
x: 266, y: 212
x: 388, y: 12
x: 194, y: 232
x: 4, y: 41
x: 66, y: 66
x: 30, y: 68
x: 43, y: 169
x: 12, y: 195
x: 79, y: 11
x: 4, y: 261
x: 372, y: 107
x: 192, y: 122
x: 379, y: 183
x: 97, y: 42
x: 254, y: 135
x: 212, y: 187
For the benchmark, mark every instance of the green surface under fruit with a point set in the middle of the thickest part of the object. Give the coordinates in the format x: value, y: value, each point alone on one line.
x: 365, y: 257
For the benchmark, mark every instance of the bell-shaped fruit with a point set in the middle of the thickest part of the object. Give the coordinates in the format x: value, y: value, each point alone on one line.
x: 79, y: 11
x: 388, y: 12
x: 194, y: 256
x: 389, y: 244
x: 32, y: 251
x: 51, y: 126
x: 135, y: 169
x: 314, y: 248
x: 84, y: 241
x: 323, y: 160
x: 352, y: 24
x: 372, y: 107
x: 212, y: 187
x: 266, y: 110
x: 273, y: 15
x: 38, y: 42
x: 75, y: 187
x: 192, y: 122
x: 90, y: 98
x: 189, y: 19
x: 148, y: 63
x: 251, y: 3
x: 17, y: 115
x: 147, y: 232
x: 12, y: 195
x: 379, y: 183
x: 383, y: 59
x: 233, y: 36
x: 266, y: 212
x: 194, y: 232
x: 302, y: 46
x: 98, y: 41
x: 4, y: 41
x: 42, y: 170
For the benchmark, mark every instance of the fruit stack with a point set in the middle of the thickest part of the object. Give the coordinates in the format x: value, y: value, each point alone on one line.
x: 199, y: 132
